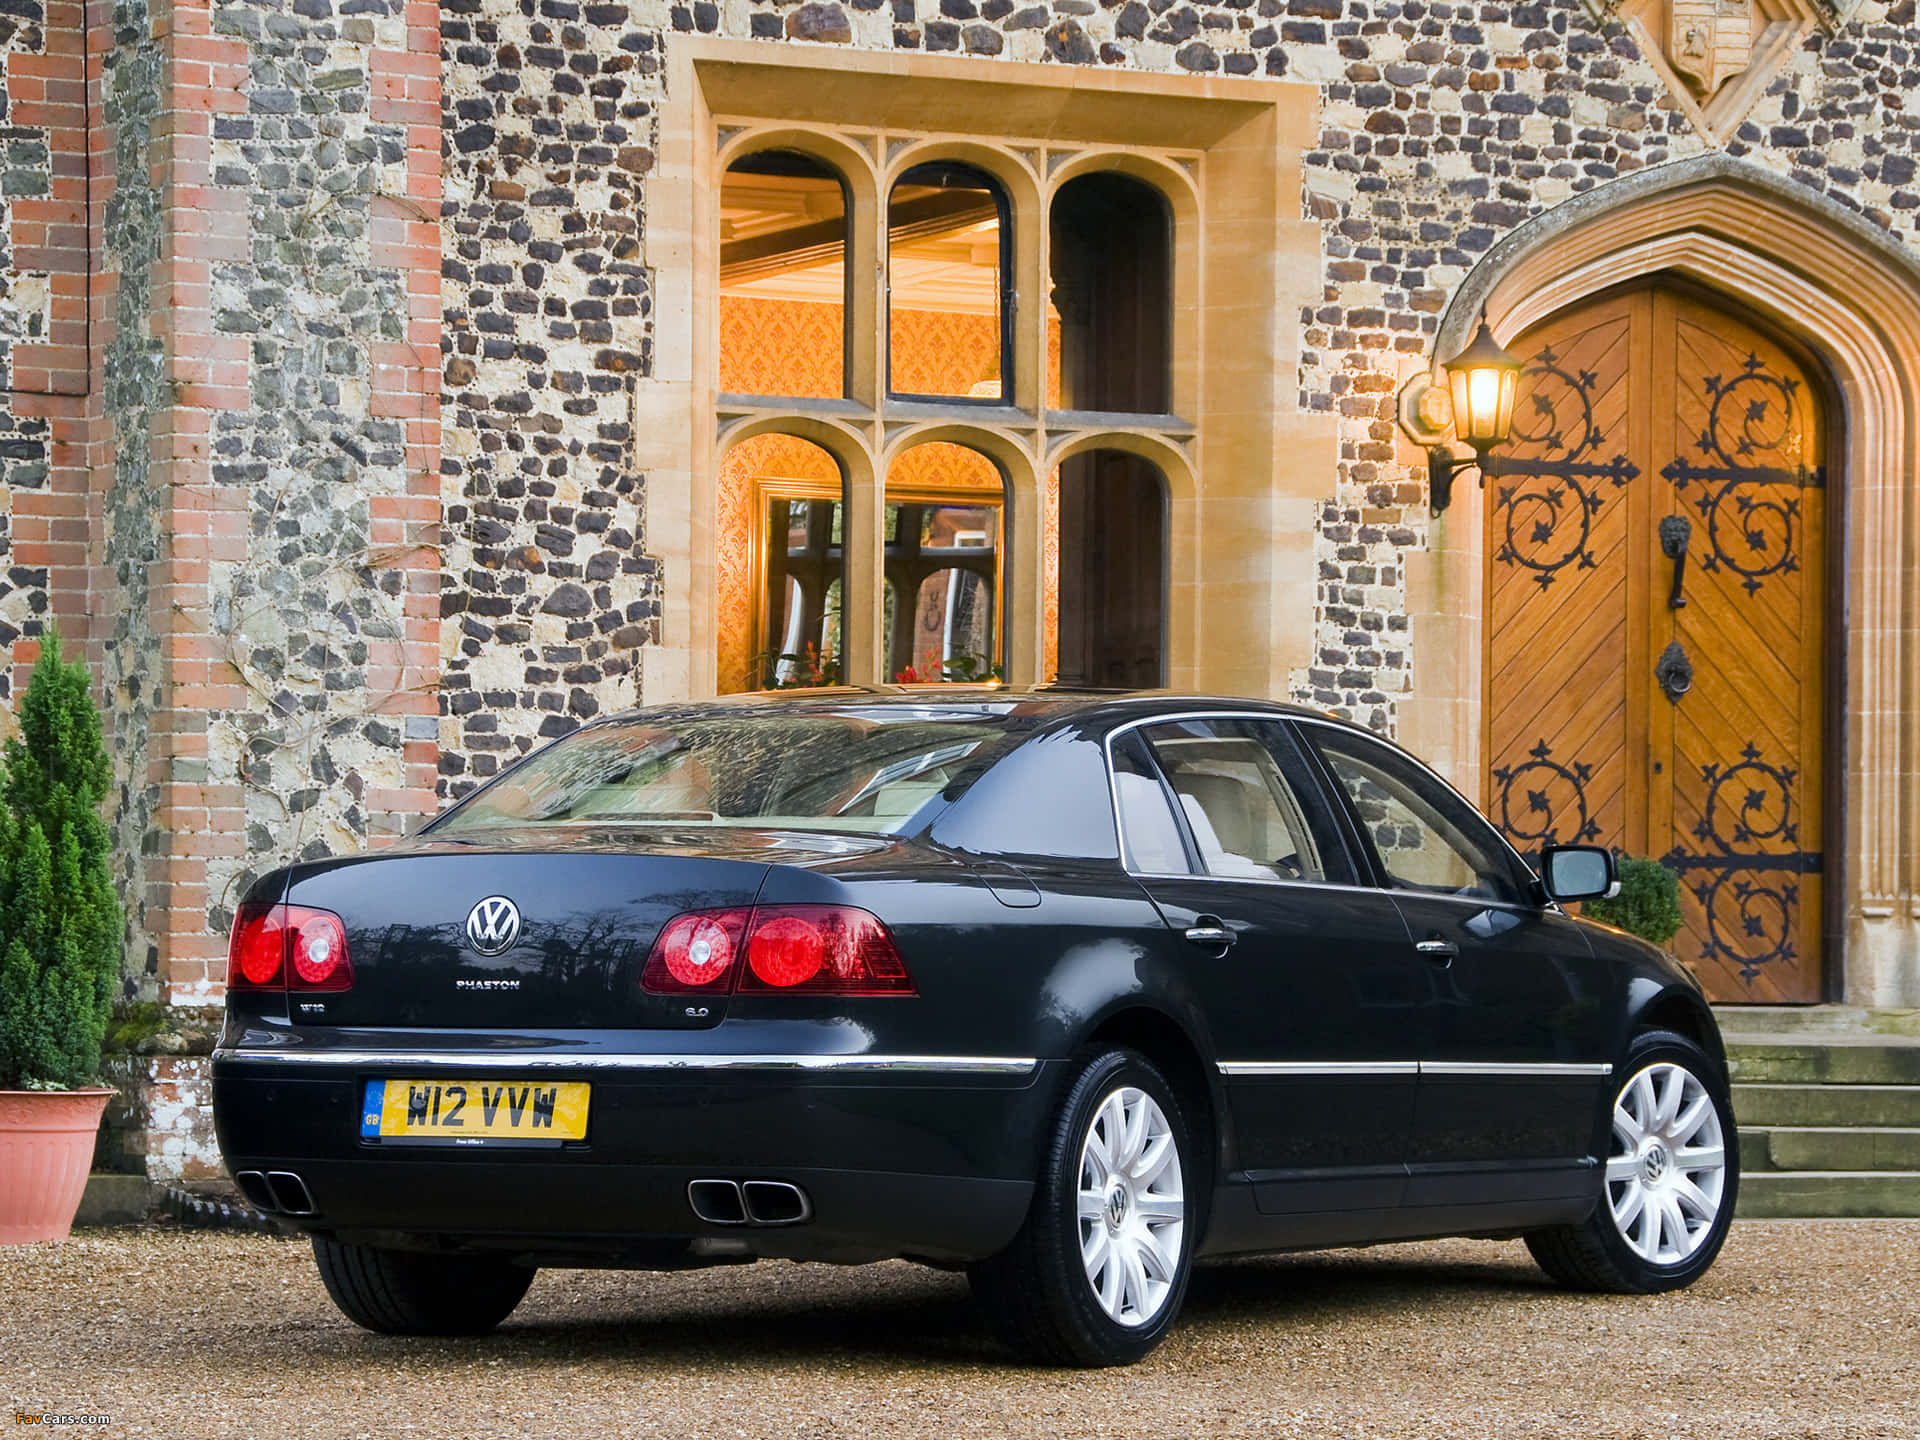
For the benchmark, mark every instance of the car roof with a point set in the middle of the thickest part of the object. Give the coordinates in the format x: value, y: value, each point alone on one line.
x: 1037, y: 702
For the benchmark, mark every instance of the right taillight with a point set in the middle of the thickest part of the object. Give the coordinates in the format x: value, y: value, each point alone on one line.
x: 822, y: 949
x: 777, y: 949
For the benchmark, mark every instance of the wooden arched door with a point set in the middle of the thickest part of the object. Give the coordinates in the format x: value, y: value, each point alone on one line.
x: 1657, y: 666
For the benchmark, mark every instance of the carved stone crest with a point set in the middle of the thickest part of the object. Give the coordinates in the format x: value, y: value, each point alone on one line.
x: 1709, y: 41
x: 1717, y: 56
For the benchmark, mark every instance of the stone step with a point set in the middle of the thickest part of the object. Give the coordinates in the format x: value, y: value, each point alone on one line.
x: 1829, y: 1194
x: 1809, y: 1147
x: 1814, y: 1021
x: 1827, y: 1106
x: 1828, y: 1062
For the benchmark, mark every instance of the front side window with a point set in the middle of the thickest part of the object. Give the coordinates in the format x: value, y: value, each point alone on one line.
x: 1249, y: 820
x: 1424, y: 836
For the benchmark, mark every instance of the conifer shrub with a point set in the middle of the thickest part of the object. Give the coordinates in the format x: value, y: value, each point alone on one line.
x: 1648, y: 904
x: 60, y: 921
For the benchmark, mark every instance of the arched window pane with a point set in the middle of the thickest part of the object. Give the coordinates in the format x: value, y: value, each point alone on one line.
x: 943, y: 527
x: 783, y: 277
x: 1112, y: 259
x: 782, y: 556
x: 1113, y: 571
x: 946, y: 264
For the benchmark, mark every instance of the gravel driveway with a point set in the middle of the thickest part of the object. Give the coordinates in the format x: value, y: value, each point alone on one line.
x: 1805, y: 1328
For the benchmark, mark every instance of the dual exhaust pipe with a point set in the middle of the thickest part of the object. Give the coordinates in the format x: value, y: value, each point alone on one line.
x: 749, y: 1202
x: 276, y: 1192
x: 718, y: 1202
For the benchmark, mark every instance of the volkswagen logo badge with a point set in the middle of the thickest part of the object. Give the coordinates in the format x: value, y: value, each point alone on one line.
x: 493, y: 925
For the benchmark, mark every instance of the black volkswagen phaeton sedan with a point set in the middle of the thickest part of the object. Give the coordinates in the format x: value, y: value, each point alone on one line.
x: 1065, y: 989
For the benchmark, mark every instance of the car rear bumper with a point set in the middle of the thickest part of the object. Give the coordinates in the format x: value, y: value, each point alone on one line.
x: 927, y: 1156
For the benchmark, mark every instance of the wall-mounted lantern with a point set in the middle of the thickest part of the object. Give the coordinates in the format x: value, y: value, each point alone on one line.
x: 1475, y: 407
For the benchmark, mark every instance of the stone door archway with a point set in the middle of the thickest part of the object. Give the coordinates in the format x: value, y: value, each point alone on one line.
x: 1850, y: 296
x: 1657, y: 667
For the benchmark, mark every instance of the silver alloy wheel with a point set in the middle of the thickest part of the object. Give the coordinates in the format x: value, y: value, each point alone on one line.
x: 1132, y: 1208
x: 1668, y: 1166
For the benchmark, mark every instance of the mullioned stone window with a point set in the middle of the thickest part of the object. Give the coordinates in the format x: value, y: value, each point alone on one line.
x: 956, y: 340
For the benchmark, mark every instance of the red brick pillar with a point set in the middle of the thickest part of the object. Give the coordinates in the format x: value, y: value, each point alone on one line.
x: 200, y: 806
x: 406, y: 387
x: 47, y: 94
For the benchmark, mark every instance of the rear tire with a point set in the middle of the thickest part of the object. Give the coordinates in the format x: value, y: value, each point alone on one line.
x: 1669, y: 1182
x: 1097, y: 1274
x: 399, y: 1292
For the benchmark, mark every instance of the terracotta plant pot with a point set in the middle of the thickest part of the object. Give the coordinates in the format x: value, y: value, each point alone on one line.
x: 46, y: 1149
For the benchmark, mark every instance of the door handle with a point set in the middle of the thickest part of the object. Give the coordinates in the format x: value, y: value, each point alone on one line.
x: 1674, y: 671
x: 1441, y: 952
x: 1210, y: 930
x: 1675, y: 531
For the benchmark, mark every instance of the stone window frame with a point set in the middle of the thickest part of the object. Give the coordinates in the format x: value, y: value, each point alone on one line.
x: 1227, y: 155
x: 873, y: 425
x: 871, y: 407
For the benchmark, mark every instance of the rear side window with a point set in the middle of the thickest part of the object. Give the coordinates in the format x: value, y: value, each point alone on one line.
x: 1047, y: 799
x: 1248, y: 800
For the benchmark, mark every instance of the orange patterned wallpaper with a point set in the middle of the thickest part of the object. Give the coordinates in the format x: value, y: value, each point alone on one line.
x: 781, y: 347
x: 790, y: 347
x: 938, y: 352
x: 765, y: 459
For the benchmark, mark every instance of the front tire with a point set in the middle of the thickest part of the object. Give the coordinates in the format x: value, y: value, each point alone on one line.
x: 1098, y: 1272
x: 398, y: 1292
x: 1669, y: 1183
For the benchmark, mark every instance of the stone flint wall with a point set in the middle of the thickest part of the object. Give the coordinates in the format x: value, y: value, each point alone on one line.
x: 372, y: 318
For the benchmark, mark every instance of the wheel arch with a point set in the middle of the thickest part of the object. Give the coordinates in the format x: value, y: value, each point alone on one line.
x: 1683, y: 1011
x: 1166, y: 1042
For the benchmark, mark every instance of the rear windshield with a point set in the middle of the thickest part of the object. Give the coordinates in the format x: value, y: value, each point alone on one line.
x: 872, y: 772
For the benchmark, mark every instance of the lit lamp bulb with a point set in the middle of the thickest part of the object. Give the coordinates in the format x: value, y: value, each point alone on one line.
x: 1481, y: 381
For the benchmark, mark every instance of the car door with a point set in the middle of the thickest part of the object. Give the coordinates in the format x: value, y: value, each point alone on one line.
x: 1518, y: 1014
x: 1307, y: 978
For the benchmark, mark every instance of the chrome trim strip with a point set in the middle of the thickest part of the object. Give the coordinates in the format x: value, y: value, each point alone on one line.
x: 501, y: 1060
x: 1319, y: 1067
x: 1410, y: 1067
x: 1537, y: 1068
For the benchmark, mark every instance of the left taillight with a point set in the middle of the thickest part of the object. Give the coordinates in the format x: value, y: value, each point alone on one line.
x: 288, y: 947
x: 776, y: 949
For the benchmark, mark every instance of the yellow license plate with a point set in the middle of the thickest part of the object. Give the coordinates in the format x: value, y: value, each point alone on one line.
x: 475, y: 1112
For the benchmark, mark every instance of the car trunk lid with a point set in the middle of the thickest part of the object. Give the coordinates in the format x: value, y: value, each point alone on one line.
x: 589, y: 907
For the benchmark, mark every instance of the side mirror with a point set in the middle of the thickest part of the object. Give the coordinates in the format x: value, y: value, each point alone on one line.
x: 1579, y: 872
